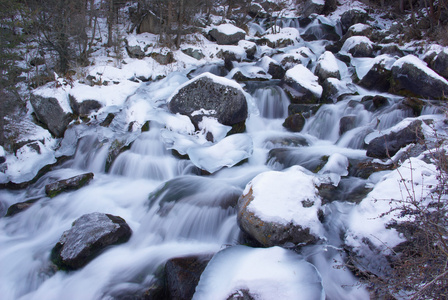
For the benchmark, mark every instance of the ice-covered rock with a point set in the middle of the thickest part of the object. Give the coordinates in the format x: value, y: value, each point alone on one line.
x: 226, y: 153
x: 327, y: 66
x: 378, y: 77
x: 352, y: 17
x: 280, y: 37
x: 227, y: 34
x: 241, y: 272
x: 313, y: 7
x: 89, y: 235
x: 272, y: 67
x: 304, y: 83
x: 213, y: 96
x: 281, y: 207
x: 412, y: 76
x: 333, y: 89
x: 358, y: 46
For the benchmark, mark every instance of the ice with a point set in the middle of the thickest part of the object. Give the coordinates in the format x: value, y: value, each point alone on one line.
x: 271, y: 273
x: 286, y: 197
x: 226, y: 153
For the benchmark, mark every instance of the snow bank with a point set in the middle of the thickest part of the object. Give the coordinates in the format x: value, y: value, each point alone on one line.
x: 271, y: 273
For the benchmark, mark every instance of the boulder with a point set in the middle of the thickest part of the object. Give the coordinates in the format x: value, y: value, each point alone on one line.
x: 302, y: 85
x: 358, y: 46
x: 282, y: 38
x: 312, y: 7
x: 183, y: 274
x: 19, y: 207
x: 274, y: 212
x: 327, y: 66
x: 358, y: 30
x: 440, y: 63
x: 388, y: 145
x: 411, y: 76
x: 70, y: 184
x: 135, y: 52
x: 50, y: 112
x: 249, y: 47
x: 227, y: 34
x: 163, y: 58
x: 334, y: 90
x: 272, y: 67
x: 378, y: 77
x: 85, y: 107
x: 295, y: 122
x: 212, y: 96
x: 352, y: 17
x: 320, y: 32
x: 347, y: 123
x: 89, y: 235
x: 195, y: 53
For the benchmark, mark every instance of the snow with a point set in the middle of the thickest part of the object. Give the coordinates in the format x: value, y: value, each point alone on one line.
x: 270, y: 273
x: 415, y: 61
x: 319, y: 2
x: 228, y: 29
x: 414, y: 179
x: 60, y: 94
x: 336, y: 166
x: 276, y: 34
x: 305, y: 78
x: 278, y: 199
x: 358, y: 28
x: 226, y: 153
x: 328, y: 62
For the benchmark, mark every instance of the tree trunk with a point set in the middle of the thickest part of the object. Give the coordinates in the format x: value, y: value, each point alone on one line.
x: 180, y: 23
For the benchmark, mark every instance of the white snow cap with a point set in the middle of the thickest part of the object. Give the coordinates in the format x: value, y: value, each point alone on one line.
x: 228, y: 29
x: 305, y: 78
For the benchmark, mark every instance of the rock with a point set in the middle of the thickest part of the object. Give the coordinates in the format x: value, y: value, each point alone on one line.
x: 108, y: 120
x: 377, y: 78
x: 358, y: 30
x: 440, y: 63
x: 388, y: 145
x: 307, y: 110
x: 85, y: 107
x: 312, y: 7
x: 358, y: 46
x: 135, y: 52
x: 347, y: 123
x: 252, y: 73
x: 302, y: 85
x: 392, y: 50
x: 352, y: 17
x: 284, y: 37
x: 50, y: 112
x: 288, y: 157
x: 163, y: 58
x: 227, y: 34
x: 327, y: 66
x: 19, y: 207
x: 410, y: 76
x: 183, y: 274
x: 366, y: 168
x: 89, y: 235
x: 249, y: 47
x: 272, y: 67
x: 70, y: 184
x: 294, y: 123
x: 213, y: 96
x: 195, y: 53
x: 334, y: 90
x: 274, y: 212
x: 320, y: 32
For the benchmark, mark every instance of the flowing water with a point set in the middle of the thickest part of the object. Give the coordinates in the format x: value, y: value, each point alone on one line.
x: 172, y: 209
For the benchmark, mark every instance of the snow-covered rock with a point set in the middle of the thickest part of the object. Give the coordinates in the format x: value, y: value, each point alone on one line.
x: 327, y: 66
x: 358, y: 46
x: 241, y: 272
x: 352, y: 17
x: 280, y: 37
x: 440, y: 63
x: 333, y: 89
x: 273, y: 211
x: 212, y: 96
x: 89, y: 235
x: 272, y: 67
x: 411, y: 75
x: 227, y: 34
x: 305, y: 83
x: 378, y: 77
x: 313, y: 7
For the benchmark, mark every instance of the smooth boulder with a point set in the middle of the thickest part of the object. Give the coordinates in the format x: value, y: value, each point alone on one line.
x: 69, y: 184
x: 89, y: 235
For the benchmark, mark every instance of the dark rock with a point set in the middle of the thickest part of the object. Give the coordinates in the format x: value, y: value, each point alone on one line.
x: 85, y: 107
x: 108, y: 120
x: 411, y: 77
x: 89, y: 235
x: 227, y: 103
x: 388, y: 145
x: 358, y: 47
x: 311, y: 7
x: 415, y: 104
x: 377, y: 78
x: 349, y: 189
x: 392, y: 50
x: 226, y: 39
x: 380, y: 101
x: 307, y: 110
x: 19, y: 207
x: 358, y: 30
x: 288, y: 157
x: 2, y: 159
x: 149, y: 23
x: 50, y: 113
x: 195, y: 53
x: 333, y: 90
x: 116, y: 148
x: 276, y: 70
x: 183, y: 274
x: 440, y: 64
x: 163, y: 59
x: 366, y: 168
x: 320, y: 32
x: 242, y: 76
x: 352, y: 17
x: 294, y: 123
x: 135, y: 52
x: 322, y: 71
x: 288, y: 141
x: 37, y: 61
x: 70, y: 184
x: 347, y: 123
